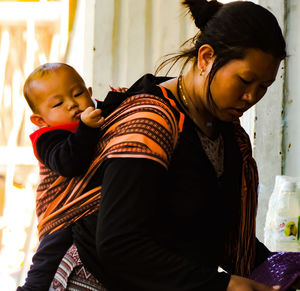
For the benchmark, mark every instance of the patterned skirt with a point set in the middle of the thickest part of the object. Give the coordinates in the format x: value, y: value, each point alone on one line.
x: 72, y: 275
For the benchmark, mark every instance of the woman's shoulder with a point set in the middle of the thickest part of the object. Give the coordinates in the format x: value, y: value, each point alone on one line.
x: 147, y: 84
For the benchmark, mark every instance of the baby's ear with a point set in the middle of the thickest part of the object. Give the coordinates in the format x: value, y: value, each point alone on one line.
x: 90, y: 90
x: 38, y: 120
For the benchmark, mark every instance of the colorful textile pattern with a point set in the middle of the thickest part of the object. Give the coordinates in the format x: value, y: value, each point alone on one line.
x: 60, y: 201
x: 143, y: 126
x: 72, y: 275
x: 246, y: 235
x: 279, y: 269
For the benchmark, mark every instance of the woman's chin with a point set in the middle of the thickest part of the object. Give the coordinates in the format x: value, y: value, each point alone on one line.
x: 228, y: 118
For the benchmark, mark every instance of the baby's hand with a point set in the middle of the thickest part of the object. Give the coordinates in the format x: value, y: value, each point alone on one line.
x: 92, y: 117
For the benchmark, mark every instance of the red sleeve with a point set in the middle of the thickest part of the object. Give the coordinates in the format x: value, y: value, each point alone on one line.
x: 35, y: 135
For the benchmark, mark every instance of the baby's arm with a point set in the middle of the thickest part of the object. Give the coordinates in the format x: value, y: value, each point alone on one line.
x: 67, y: 153
x: 92, y: 117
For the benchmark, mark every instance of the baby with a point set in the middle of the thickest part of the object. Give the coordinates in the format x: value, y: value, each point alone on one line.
x: 65, y: 142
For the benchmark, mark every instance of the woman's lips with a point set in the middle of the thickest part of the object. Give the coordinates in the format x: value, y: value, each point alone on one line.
x: 237, y: 112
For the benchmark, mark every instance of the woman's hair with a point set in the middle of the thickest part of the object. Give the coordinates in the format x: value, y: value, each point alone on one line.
x: 230, y: 29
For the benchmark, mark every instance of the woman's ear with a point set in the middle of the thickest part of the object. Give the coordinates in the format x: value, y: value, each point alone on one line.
x: 90, y: 90
x: 206, y: 57
x: 38, y: 120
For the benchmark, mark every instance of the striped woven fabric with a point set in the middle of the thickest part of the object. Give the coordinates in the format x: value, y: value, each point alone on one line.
x: 249, y: 186
x: 143, y: 126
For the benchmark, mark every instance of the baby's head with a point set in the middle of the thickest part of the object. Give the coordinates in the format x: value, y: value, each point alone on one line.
x: 56, y: 94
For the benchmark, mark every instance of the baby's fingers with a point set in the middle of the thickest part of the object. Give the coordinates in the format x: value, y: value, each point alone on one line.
x: 100, y: 121
x: 95, y: 113
x: 89, y: 109
x: 86, y: 113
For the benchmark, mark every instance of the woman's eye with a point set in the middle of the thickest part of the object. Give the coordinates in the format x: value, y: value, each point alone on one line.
x: 247, y: 82
x: 78, y: 94
x: 264, y: 87
x: 57, y: 104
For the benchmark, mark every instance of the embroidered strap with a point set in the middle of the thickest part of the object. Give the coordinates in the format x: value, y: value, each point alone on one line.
x: 246, y: 244
x: 172, y: 102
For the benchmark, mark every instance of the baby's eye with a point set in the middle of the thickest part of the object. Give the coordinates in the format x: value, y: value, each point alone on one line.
x: 78, y: 94
x: 57, y: 104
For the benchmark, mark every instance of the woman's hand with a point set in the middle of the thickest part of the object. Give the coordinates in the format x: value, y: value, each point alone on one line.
x: 238, y: 283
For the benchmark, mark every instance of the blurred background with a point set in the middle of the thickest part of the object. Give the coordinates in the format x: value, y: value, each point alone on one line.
x: 114, y: 42
x: 31, y: 33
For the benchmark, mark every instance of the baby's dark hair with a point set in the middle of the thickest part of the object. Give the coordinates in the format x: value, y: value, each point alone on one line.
x: 40, y: 72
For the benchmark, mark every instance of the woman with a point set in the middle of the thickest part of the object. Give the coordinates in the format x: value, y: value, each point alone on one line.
x: 173, y: 212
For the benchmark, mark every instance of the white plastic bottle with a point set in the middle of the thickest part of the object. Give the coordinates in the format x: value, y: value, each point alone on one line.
x: 270, y: 216
x: 270, y: 225
x: 287, y: 212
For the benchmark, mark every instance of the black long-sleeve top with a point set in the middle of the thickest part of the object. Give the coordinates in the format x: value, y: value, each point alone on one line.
x: 161, y: 229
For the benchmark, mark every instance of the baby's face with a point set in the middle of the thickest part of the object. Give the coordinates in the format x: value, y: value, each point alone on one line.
x: 61, y: 96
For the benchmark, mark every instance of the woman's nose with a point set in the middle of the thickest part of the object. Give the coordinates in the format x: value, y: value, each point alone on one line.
x: 250, y: 96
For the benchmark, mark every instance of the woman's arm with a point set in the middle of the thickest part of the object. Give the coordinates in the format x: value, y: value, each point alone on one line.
x: 68, y: 154
x: 129, y: 257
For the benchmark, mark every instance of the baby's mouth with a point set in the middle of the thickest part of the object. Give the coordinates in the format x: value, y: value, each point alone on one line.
x: 77, y: 114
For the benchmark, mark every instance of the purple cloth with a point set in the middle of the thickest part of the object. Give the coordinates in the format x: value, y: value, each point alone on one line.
x: 281, y: 268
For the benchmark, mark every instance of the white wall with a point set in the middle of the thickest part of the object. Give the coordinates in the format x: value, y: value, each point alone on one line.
x: 291, y: 145
x: 131, y: 36
x: 268, y: 131
x: 80, y: 49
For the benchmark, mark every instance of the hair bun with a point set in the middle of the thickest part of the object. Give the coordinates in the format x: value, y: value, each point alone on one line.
x: 202, y: 10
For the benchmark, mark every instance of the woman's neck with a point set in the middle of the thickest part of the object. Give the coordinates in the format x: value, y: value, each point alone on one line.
x: 184, y: 89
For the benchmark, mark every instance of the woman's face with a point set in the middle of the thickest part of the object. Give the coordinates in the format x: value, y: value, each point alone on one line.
x: 240, y: 84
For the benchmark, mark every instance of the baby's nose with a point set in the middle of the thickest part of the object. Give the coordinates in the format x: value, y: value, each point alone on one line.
x: 71, y: 104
